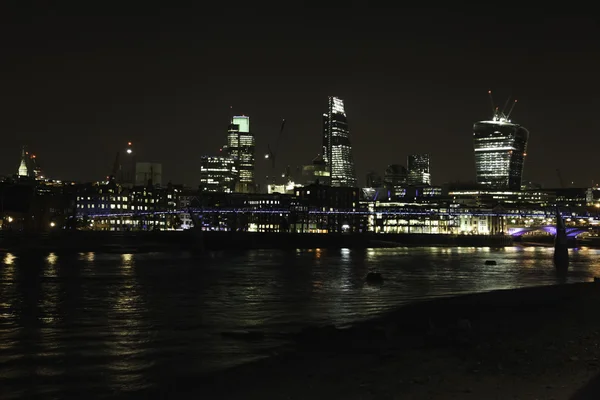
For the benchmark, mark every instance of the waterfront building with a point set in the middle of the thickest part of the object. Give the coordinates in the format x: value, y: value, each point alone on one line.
x: 110, y: 206
x: 337, y: 148
x: 321, y: 201
x: 418, y: 169
x: 500, y: 148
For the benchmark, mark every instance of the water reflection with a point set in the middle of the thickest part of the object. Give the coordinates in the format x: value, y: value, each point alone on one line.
x: 48, y: 349
x: 127, y: 346
x: 110, y: 323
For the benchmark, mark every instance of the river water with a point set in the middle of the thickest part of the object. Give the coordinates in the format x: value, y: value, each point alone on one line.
x: 88, y: 324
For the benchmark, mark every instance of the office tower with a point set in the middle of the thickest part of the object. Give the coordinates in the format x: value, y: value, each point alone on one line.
x: 217, y: 174
x: 500, y: 148
x: 418, y: 169
x: 337, y: 149
x: 241, y: 148
x: 148, y: 173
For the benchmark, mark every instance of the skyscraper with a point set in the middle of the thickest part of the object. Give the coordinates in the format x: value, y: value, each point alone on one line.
x: 241, y: 148
x: 418, y: 169
x: 337, y: 150
x: 500, y: 148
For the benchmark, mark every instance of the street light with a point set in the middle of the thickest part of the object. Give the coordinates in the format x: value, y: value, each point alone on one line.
x: 10, y: 219
x: 52, y: 224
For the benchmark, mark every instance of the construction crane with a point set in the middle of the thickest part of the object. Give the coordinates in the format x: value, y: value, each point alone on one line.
x: 496, y: 113
x: 272, y: 152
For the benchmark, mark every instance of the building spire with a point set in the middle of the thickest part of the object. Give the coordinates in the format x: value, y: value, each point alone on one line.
x: 23, y: 169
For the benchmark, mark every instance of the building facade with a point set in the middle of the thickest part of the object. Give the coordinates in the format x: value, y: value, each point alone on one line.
x: 418, y: 169
x: 337, y: 149
x: 241, y: 148
x: 218, y: 174
x: 500, y: 149
x: 316, y: 172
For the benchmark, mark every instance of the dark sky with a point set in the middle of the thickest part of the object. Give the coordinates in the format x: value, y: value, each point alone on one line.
x: 78, y: 82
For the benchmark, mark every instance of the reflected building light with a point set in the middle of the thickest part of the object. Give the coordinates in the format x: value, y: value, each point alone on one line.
x: 9, y: 259
x: 51, y: 259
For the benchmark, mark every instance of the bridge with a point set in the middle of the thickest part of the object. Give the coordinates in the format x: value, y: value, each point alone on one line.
x: 550, y: 229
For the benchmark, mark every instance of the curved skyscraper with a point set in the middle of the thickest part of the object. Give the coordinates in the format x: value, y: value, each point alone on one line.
x: 337, y: 150
x: 500, y: 149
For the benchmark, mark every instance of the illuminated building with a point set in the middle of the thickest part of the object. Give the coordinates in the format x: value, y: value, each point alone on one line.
x: 241, y: 148
x: 418, y: 169
x: 500, y: 149
x: 337, y: 150
x: 218, y: 174
x: 111, y: 206
x: 317, y: 172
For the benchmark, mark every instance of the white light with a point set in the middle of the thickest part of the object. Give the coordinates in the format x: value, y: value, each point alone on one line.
x: 10, y: 219
x: 129, y: 151
x: 338, y: 105
x: 495, y: 148
x: 52, y: 224
x: 266, y: 156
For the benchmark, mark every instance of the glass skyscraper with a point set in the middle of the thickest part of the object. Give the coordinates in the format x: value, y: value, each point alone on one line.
x: 337, y: 150
x: 500, y: 149
x: 241, y: 148
x: 418, y: 169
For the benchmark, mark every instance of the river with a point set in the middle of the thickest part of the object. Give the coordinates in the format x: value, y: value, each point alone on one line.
x: 105, y: 324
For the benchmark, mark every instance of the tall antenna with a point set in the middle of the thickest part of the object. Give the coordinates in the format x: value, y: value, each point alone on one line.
x: 231, y: 114
x: 511, y: 109
x: 492, y: 102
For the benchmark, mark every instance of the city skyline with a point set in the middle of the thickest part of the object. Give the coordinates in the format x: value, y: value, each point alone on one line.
x: 166, y: 81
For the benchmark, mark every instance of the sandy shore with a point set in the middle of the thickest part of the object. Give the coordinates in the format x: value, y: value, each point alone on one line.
x: 536, y: 343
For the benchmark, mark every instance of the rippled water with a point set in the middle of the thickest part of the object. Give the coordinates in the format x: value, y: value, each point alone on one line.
x: 83, y: 324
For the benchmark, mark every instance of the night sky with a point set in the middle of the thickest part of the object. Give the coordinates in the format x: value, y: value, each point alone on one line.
x: 78, y: 83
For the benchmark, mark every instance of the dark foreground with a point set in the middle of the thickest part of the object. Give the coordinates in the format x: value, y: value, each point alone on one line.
x: 537, y: 343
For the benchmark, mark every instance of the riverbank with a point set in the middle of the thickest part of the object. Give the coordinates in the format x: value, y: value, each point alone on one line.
x: 535, y: 343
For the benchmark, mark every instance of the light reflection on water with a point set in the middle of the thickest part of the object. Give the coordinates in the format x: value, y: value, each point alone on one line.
x: 107, y: 324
